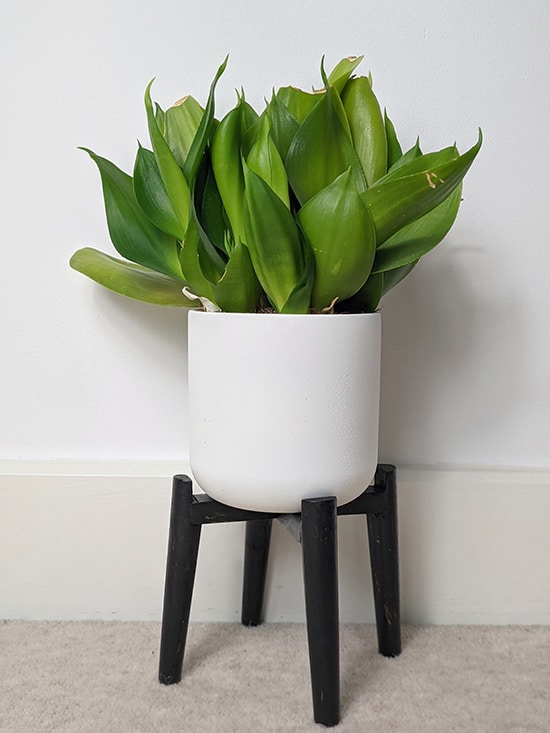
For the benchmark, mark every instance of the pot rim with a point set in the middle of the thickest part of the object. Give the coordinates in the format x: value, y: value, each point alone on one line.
x: 226, y: 314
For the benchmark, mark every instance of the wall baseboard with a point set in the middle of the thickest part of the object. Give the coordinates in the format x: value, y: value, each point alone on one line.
x: 88, y: 541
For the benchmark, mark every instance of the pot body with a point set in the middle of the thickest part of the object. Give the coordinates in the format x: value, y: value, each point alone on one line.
x: 283, y: 407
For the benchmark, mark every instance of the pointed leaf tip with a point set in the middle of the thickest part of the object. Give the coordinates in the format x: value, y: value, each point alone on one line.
x: 324, y: 76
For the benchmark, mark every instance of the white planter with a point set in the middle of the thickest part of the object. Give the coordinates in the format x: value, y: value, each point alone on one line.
x: 283, y: 407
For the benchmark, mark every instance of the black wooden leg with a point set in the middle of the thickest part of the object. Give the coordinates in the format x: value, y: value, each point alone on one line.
x: 319, y: 548
x: 183, y: 547
x: 384, y: 557
x: 256, y: 553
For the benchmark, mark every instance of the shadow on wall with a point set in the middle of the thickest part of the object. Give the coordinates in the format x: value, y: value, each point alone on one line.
x: 444, y: 349
x: 143, y: 353
x: 156, y: 331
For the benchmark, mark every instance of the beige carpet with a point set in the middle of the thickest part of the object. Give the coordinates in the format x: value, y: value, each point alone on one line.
x: 95, y: 677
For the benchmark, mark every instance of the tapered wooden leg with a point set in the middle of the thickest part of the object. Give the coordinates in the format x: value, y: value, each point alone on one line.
x: 183, y: 547
x: 256, y: 554
x: 319, y: 548
x: 384, y: 558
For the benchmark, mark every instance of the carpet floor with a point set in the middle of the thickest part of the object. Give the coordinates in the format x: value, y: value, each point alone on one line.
x: 99, y: 677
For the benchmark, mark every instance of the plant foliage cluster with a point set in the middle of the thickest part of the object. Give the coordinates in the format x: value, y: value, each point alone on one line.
x: 310, y: 206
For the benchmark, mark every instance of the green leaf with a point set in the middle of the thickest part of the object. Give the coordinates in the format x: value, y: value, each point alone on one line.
x: 322, y: 149
x: 367, y: 127
x: 299, y: 300
x: 283, y: 125
x: 172, y: 175
x: 226, y: 163
x: 211, y: 261
x: 396, y: 202
x: 209, y: 206
x: 151, y: 194
x: 379, y: 283
x: 126, y: 278
x: 204, y: 131
x: 367, y: 299
x: 414, y: 161
x: 251, y: 124
x: 298, y: 102
x: 412, y: 154
x: 182, y: 121
x: 393, y: 146
x: 341, y: 234
x: 133, y: 235
x: 265, y: 161
x: 394, y: 277
x: 191, y: 255
x: 273, y: 240
x: 416, y: 239
x: 238, y: 290
x: 339, y: 76
x: 160, y: 117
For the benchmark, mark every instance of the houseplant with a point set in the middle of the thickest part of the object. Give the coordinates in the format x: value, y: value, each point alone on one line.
x: 297, y: 220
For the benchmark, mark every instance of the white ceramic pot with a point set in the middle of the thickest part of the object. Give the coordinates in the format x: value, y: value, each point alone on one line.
x: 283, y: 407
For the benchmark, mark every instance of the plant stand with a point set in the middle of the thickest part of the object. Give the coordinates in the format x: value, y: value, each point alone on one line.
x: 316, y: 528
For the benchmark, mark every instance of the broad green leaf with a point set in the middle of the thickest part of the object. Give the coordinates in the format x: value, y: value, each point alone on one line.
x: 372, y: 292
x: 339, y: 76
x: 160, y: 117
x: 211, y: 261
x: 412, y: 154
x: 394, y: 148
x: 419, y: 237
x: 133, y: 235
x: 340, y: 231
x: 238, y: 290
x: 298, y: 102
x: 322, y: 149
x: 208, y: 205
x: 172, y: 175
x: 204, y: 131
x: 190, y: 258
x: 299, y: 300
x: 414, y: 161
x: 367, y: 127
x: 182, y: 121
x: 126, y: 278
x: 151, y: 194
x: 395, y: 203
x: 283, y: 125
x: 366, y: 300
x: 273, y: 240
x: 226, y: 163
x: 265, y: 161
x: 394, y: 277
x: 251, y: 125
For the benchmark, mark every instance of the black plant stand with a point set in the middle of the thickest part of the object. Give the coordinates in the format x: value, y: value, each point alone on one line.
x: 315, y: 527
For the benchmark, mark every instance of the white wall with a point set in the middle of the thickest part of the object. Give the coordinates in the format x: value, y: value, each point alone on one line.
x: 86, y: 375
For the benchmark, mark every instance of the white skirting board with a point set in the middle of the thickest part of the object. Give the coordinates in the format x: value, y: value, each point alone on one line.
x: 88, y: 541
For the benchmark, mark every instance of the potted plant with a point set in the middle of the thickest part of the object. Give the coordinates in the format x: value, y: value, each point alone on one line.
x: 282, y: 231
